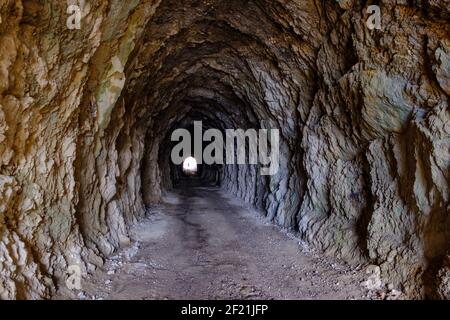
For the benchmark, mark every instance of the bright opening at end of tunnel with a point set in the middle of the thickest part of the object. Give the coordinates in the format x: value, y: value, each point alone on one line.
x: 190, y: 166
x: 227, y: 150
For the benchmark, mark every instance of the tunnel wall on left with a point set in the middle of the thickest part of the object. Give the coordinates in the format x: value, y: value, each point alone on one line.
x: 363, y: 117
x: 67, y: 182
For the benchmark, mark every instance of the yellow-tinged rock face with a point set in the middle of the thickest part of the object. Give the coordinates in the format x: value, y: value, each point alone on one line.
x: 86, y: 116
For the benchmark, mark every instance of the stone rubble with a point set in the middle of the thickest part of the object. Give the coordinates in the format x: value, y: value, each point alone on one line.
x: 86, y: 116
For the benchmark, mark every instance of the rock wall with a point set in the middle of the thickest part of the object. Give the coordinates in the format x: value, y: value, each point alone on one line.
x: 86, y: 116
x: 377, y: 145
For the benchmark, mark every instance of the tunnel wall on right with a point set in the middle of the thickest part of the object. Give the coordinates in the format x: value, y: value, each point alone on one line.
x: 366, y: 179
x: 363, y: 116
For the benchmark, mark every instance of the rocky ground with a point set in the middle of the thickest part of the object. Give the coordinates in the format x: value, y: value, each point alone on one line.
x: 86, y: 116
x: 203, y: 244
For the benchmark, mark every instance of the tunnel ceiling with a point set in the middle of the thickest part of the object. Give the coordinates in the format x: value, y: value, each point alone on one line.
x: 85, y: 117
x: 212, y: 56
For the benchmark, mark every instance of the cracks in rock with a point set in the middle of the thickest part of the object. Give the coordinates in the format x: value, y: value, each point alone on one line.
x: 333, y: 89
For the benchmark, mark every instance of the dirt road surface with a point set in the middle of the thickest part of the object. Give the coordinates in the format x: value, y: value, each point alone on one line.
x: 201, y: 243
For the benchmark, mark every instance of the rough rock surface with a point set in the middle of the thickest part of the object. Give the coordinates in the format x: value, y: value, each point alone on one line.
x: 201, y: 243
x: 85, y: 117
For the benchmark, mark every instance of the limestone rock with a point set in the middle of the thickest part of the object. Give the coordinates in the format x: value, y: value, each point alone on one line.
x: 86, y: 117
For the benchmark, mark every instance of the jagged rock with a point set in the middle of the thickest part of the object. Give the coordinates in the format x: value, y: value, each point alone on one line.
x: 86, y: 117
x: 442, y: 67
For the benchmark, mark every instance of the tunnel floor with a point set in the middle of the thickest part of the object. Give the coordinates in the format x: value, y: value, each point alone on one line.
x: 203, y: 244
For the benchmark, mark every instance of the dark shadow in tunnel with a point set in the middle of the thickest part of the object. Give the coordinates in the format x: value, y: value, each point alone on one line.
x: 206, y: 174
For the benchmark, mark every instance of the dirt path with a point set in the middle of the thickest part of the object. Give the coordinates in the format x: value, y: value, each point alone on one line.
x: 203, y: 244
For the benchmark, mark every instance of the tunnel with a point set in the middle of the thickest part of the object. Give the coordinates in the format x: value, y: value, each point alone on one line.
x: 91, y: 93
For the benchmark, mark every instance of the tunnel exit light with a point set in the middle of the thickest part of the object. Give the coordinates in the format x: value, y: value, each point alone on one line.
x: 190, y: 166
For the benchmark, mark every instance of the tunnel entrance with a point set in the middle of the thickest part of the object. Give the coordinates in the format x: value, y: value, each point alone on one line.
x: 190, y: 167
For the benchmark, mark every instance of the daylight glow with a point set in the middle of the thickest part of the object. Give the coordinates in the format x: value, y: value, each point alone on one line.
x: 190, y: 165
